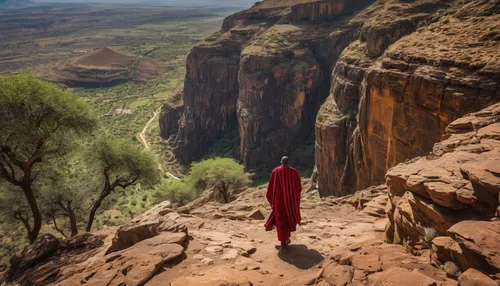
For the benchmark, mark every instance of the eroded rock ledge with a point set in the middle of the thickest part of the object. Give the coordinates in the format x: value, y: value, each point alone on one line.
x: 450, y: 198
x: 392, y: 96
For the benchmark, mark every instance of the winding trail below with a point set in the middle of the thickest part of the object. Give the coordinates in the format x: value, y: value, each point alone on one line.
x: 144, y: 140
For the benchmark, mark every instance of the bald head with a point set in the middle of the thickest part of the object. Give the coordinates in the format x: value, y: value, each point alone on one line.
x: 284, y: 161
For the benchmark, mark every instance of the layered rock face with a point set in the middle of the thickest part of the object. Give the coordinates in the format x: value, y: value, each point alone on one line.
x: 387, y: 107
x: 171, y: 113
x: 210, y: 93
x: 453, y: 194
x: 268, y: 71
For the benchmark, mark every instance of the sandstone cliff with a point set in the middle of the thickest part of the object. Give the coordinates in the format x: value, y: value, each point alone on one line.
x: 266, y: 71
x: 393, y: 73
x: 387, y: 107
x: 454, y: 191
x: 170, y: 114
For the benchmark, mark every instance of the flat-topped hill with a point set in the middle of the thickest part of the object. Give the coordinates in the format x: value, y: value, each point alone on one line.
x: 104, y: 67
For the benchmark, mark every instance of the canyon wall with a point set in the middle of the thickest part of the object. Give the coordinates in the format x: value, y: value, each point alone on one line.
x: 267, y: 71
x: 170, y: 113
x: 387, y: 107
x: 374, y: 83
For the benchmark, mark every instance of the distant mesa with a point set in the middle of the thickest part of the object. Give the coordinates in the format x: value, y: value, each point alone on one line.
x: 106, y: 67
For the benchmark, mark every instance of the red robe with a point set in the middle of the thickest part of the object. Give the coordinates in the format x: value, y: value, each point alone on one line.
x: 283, y: 194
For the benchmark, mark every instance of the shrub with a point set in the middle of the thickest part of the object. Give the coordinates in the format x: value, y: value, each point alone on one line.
x: 221, y: 174
x: 175, y: 191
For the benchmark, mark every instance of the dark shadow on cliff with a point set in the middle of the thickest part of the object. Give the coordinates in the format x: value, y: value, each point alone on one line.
x: 301, y: 256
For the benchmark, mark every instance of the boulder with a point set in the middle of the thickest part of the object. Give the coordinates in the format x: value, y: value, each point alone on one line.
x: 146, y: 226
x: 472, y: 277
x: 445, y: 249
x: 134, y: 265
x: 479, y: 242
x: 42, y: 248
x: 256, y: 214
x: 338, y: 274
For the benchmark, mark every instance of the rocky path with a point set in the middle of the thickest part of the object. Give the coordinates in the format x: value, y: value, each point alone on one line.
x: 229, y: 243
x: 207, y: 243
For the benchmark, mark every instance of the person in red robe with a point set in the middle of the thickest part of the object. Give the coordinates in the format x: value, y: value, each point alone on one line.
x: 283, y: 194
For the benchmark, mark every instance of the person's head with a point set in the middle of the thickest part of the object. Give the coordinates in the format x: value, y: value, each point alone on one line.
x: 284, y: 161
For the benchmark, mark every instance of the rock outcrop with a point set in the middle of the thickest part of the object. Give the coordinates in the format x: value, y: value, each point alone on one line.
x: 106, y: 67
x: 170, y: 114
x: 129, y: 255
x: 453, y: 193
x: 376, y: 263
x: 392, y: 95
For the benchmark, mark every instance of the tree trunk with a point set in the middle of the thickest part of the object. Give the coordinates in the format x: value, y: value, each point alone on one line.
x: 94, y: 209
x: 57, y: 228
x: 72, y: 220
x: 37, y: 217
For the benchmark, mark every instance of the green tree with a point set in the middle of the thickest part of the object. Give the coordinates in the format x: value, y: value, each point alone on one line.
x: 37, y: 119
x: 64, y: 192
x: 121, y: 164
x: 221, y: 174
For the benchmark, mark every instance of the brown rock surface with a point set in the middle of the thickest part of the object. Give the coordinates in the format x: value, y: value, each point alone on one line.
x: 145, y: 227
x: 352, y: 237
x: 266, y: 71
x: 472, y: 277
x: 373, y: 262
x: 171, y: 113
x: 455, y: 182
x: 479, y: 241
x: 42, y: 248
x: 386, y: 108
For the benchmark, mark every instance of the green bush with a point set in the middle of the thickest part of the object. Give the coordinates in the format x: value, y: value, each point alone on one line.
x: 221, y: 174
x: 175, y: 191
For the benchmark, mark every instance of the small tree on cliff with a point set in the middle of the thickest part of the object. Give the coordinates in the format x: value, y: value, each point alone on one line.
x: 121, y: 164
x: 221, y: 174
x: 36, y: 121
x: 63, y: 195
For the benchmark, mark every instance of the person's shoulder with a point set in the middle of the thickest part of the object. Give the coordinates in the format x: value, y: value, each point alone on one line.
x: 277, y: 169
x: 294, y: 170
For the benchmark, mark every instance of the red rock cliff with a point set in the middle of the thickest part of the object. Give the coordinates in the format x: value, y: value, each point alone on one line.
x: 386, y: 108
x: 268, y: 71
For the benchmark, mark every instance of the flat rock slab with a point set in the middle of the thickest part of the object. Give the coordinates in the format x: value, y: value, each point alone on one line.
x: 205, y: 281
x: 396, y: 276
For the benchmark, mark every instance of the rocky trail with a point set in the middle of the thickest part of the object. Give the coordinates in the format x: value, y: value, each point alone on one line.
x: 229, y: 242
x: 220, y: 244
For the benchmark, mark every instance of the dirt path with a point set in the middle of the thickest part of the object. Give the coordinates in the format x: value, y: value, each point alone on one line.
x: 142, y: 136
x: 144, y: 140
x: 220, y: 233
